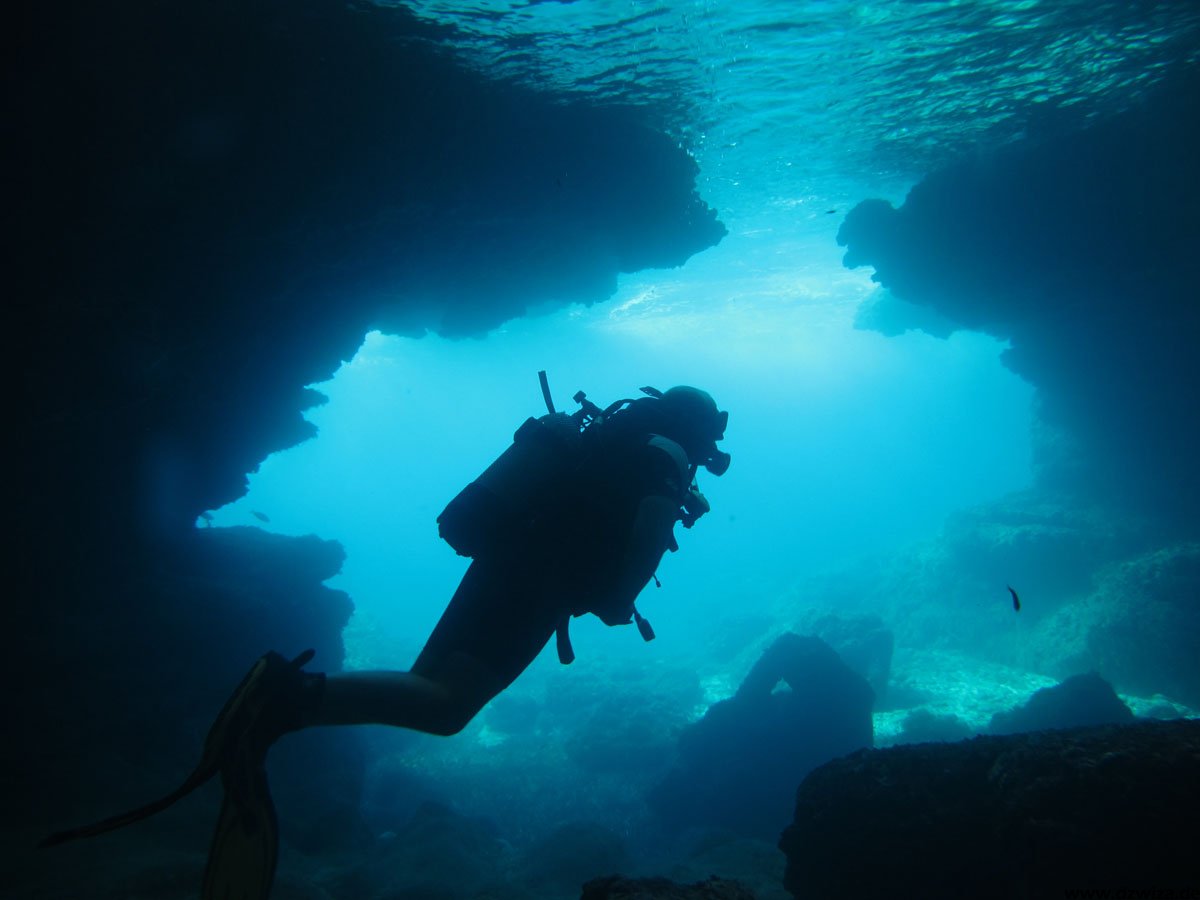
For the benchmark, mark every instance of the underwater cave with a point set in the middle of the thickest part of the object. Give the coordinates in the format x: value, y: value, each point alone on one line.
x: 286, y: 276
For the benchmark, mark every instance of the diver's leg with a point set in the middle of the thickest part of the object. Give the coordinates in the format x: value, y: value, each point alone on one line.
x: 495, y: 625
x: 441, y: 704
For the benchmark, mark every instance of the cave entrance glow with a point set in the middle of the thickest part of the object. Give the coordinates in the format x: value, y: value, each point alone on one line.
x: 845, y: 443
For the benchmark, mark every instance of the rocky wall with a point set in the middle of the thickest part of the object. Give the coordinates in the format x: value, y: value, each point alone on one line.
x: 1026, y: 815
x: 1079, y: 251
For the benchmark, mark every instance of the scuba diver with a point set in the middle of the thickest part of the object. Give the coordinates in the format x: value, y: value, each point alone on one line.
x: 573, y: 518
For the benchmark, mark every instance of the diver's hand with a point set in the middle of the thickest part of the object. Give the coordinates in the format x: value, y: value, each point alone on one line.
x: 695, y: 504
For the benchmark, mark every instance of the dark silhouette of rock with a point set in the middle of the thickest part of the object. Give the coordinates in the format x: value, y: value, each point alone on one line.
x: 198, y: 617
x: 307, y: 185
x: 159, y: 671
x: 1079, y: 700
x: 1025, y: 815
x: 617, y: 888
x: 1076, y: 249
x: 799, y: 706
x: 862, y: 641
x: 922, y: 726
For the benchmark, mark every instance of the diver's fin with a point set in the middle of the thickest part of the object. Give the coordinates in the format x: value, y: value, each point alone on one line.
x: 245, y: 845
x: 193, y: 781
x: 267, y: 678
x: 241, y: 711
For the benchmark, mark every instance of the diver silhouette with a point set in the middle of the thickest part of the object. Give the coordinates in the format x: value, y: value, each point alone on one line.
x: 572, y: 519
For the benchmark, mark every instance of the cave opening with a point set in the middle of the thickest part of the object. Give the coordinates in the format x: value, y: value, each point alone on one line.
x: 847, y: 444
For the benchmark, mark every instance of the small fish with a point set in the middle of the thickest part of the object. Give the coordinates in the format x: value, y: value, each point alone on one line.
x: 262, y: 517
x: 1016, y: 599
x: 830, y: 212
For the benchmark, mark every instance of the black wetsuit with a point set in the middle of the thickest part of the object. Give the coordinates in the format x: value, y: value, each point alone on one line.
x: 509, y: 603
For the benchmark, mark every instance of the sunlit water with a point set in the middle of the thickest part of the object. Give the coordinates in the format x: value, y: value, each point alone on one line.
x: 791, y: 108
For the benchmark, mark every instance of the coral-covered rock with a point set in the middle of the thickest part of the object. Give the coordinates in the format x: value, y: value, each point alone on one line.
x: 1027, y: 815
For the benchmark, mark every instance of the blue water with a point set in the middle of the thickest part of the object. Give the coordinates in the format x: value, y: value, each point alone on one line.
x: 851, y: 450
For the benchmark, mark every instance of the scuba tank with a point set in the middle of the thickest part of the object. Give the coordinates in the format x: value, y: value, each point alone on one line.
x: 510, y: 493
x: 528, y: 478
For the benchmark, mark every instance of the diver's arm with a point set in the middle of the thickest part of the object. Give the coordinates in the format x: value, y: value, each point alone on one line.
x: 650, y: 537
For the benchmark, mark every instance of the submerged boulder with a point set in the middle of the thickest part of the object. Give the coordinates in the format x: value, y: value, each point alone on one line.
x: 800, y: 706
x: 922, y: 726
x: 862, y: 641
x: 1024, y: 815
x: 1080, y: 700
